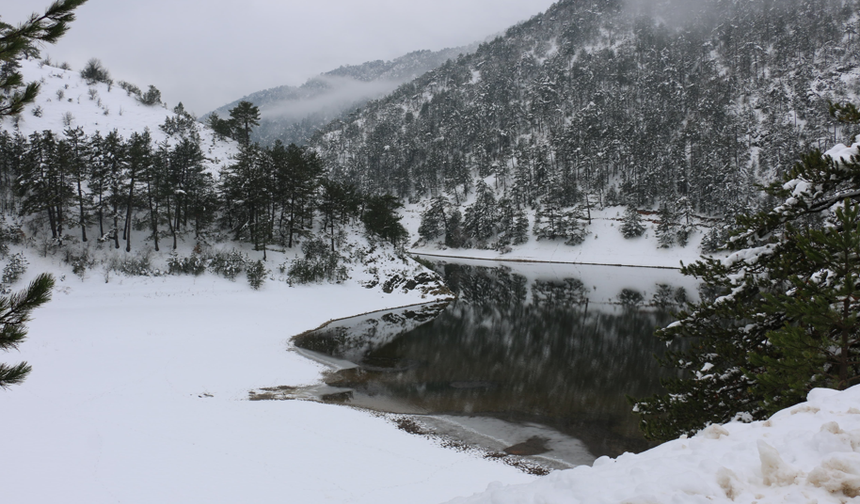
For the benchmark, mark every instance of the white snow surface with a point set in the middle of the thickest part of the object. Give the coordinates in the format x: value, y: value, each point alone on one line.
x: 806, y: 453
x: 842, y: 153
x: 139, y: 393
x: 110, y: 108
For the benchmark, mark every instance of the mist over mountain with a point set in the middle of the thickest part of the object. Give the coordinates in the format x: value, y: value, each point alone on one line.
x: 292, y: 114
x: 676, y: 106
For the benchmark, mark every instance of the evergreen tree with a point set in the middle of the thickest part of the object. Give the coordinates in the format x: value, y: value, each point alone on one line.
x: 244, y: 117
x: 21, y: 40
x: 454, y: 233
x: 819, y: 342
x: 782, y: 317
x: 480, y: 217
x: 14, y: 314
x: 221, y: 127
x: 94, y: 72
x: 338, y: 203
x: 667, y: 227
x: 297, y: 172
x: 380, y: 219
x: 77, y: 162
x: 109, y: 174
x: 434, y: 222
x: 632, y: 226
x: 140, y: 161
x: 42, y: 182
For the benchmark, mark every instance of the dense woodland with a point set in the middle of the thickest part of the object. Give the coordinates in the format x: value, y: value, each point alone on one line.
x: 125, y: 189
x: 594, y: 103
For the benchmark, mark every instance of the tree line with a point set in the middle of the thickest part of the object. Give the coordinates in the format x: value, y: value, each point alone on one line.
x: 127, y: 189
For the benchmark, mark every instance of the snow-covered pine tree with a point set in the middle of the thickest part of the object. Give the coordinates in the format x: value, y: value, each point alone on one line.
x: 667, y: 227
x: 631, y: 226
x: 434, y: 222
x: 783, y: 317
x: 480, y: 217
x: 14, y: 314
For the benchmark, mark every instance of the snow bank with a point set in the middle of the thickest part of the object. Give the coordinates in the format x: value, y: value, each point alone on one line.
x: 841, y: 153
x: 806, y: 453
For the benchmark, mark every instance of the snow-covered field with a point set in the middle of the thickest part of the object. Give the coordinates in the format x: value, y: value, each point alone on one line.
x: 139, y: 393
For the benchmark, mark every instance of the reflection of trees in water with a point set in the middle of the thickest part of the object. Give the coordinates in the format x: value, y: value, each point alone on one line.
x: 570, y: 291
x: 480, y: 285
x: 532, y: 352
x: 493, y: 352
x: 533, y: 360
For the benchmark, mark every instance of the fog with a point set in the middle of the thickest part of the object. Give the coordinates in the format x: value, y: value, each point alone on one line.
x: 340, y: 93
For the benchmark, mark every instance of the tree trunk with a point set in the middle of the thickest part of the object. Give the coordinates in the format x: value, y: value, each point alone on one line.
x: 128, y: 213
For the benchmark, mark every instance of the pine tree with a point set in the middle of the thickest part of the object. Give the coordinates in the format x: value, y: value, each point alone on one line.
x: 140, y: 161
x: 244, y: 117
x: 16, y: 42
x: 480, y: 217
x: 434, y: 222
x: 380, y: 219
x: 338, y: 203
x: 14, y: 314
x: 77, y: 162
x: 667, y: 227
x: 782, y: 316
x: 819, y: 341
x: 632, y: 226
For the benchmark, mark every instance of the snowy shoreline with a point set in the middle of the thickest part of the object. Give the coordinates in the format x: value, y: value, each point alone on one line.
x: 534, y: 261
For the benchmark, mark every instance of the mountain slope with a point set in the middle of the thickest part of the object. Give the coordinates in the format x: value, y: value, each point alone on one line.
x: 292, y: 114
x: 598, y: 103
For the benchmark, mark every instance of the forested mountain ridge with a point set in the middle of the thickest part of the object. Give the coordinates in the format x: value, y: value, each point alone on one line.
x: 292, y: 114
x: 597, y: 103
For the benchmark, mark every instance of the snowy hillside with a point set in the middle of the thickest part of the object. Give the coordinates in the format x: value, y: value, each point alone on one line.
x: 67, y: 100
x: 598, y: 104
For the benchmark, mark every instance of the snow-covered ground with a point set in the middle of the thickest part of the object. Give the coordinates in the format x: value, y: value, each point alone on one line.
x: 604, y: 245
x: 140, y: 389
x: 139, y: 393
x: 66, y: 100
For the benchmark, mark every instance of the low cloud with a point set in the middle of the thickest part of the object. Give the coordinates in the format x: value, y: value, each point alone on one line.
x: 341, y: 93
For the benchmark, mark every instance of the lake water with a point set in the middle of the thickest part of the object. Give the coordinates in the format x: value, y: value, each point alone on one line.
x: 532, y: 357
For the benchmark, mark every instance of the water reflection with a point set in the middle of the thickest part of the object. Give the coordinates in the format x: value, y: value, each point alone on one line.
x: 548, y: 345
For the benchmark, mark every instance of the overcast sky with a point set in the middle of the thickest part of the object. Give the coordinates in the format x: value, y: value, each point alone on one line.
x: 207, y: 53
